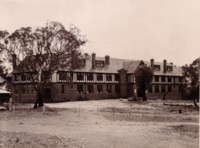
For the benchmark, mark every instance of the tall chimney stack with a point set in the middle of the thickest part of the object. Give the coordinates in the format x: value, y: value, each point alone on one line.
x: 14, y: 61
x: 93, y: 60
x: 152, y: 63
x: 107, y: 60
x: 164, y: 66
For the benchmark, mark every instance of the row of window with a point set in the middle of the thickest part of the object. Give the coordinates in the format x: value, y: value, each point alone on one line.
x: 24, y: 77
x: 157, y: 68
x: 27, y: 89
x: 91, y: 88
x: 166, y: 79
x: 89, y: 76
x: 163, y: 88
x: 28, y: 76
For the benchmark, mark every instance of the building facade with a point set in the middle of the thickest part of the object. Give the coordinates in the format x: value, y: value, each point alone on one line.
x: 101, y: 78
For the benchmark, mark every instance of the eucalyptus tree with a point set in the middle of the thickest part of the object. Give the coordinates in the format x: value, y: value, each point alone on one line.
x: 143, y: 78
x: 40, y: 52
x: 191, y: 79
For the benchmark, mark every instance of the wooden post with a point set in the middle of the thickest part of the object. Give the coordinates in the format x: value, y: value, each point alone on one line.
x: 14, y: 109
x: 44, y: 109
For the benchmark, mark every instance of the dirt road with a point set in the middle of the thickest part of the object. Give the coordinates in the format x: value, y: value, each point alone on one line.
x: 103, y: 123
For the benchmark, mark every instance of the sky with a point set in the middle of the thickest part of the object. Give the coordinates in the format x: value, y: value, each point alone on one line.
x: 126, y: 29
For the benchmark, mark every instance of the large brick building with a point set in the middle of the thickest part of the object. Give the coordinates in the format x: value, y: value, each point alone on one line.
x: 101, y: 78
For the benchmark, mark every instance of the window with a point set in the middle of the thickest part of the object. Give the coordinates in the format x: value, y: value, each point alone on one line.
x: 150, y: 89
x: 163, y: 78
x: 180, y: 88
x: 23, y: 77
x: 116, y: 77
x: 156, y: 78
x: 16, y: 90
x: 157, y: 88
x: 90, y: 88
x: 71, y: 85
x: 23, y: 89
x: 29, y: 89
x: 46, y: 75
x: 99, y: 88
x: 79, y: 76
x: 108, y: 77
x: 16, y: 77
x: 71, y: 76
x: 157, y: 67
x: 163, y: 88
x: 169, y: 68
x: 169, y: 88
x: 169, y: 79
x: 116, y: 88
x: 33, y: 90
x: 62, y: 75
x: 109, y: 88
x: 65, y: 76
x: 62, y: 88
x: 99, y: 77
x: 99, y: 63
x: 80, y: 88
x: 90, y: 77
x: 180, y: 79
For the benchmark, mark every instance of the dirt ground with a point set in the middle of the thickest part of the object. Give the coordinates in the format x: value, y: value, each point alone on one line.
x: 101, y: 123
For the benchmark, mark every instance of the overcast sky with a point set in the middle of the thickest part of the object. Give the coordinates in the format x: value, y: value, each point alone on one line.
x: 128, y: 29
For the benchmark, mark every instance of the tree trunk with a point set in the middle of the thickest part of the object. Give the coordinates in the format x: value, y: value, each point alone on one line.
x: 39, y: 98
x: 144, y: 96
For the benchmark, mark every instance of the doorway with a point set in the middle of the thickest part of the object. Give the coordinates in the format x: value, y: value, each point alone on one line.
x: 47, y: 95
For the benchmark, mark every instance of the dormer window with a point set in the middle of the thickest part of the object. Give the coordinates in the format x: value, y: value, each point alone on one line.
x: 99, y: 63
x: 169, y: 68
x: 157, y: 67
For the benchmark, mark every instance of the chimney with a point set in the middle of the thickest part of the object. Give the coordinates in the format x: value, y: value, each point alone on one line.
x: 14, y: 60
x: 164, y: 66
x: 107, y: 60
x: 152, y: 63
x: 172, y: 65
x: 93, y: 60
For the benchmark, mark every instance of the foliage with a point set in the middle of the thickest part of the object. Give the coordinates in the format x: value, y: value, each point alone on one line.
x: 191, y: 80
x: 5, y: 77
x: 143, y: 77
x: 40, y: 52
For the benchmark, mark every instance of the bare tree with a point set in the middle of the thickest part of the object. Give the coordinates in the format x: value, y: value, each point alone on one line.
x: 40, y: 52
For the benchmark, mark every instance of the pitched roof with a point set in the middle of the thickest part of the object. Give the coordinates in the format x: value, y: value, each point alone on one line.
x: 131, y: 66
x: 113, y: 67
x: 117, y: 64
x: 177, y: 71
